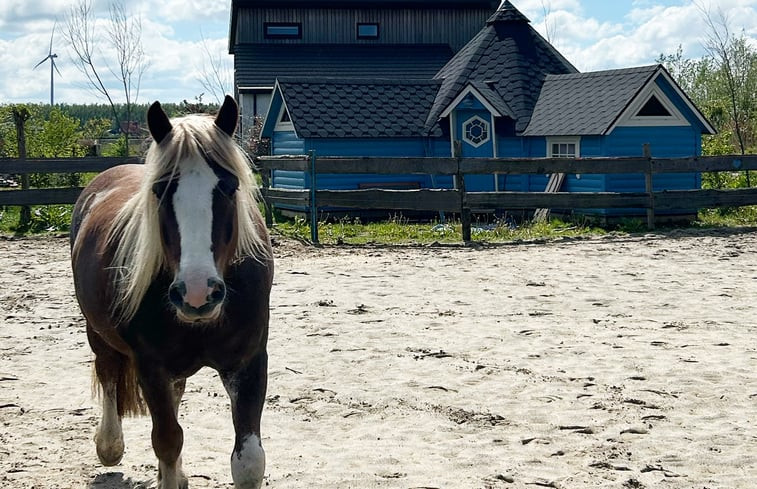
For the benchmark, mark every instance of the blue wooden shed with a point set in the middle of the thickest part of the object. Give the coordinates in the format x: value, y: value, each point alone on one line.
x: 506, y: 93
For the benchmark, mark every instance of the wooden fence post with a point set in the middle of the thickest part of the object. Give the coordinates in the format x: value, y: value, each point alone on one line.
x: 265, y: 177
x: 465, y: 214
x: 649, y: 186
x: 20, y: 116
x: 313, y: 200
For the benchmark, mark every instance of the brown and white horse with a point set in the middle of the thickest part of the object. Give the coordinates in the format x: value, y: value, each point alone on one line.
x: 173, y: 270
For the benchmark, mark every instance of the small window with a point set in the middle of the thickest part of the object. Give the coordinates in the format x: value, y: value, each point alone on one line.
x: 476, y: 131
x: 563, y: 148
x: 367, y: 31
x: 654, y: 108
x: 285, y: 116
x: 276, y: 30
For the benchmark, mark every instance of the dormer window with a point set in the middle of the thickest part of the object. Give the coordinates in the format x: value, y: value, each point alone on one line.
x: 284, y: 122
x: 367, y: 31
x: 282, y: 30
x: 285, y: 116
x: 654, y: 108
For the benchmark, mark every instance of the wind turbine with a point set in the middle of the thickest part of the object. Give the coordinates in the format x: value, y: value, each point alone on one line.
x: 51, y: 56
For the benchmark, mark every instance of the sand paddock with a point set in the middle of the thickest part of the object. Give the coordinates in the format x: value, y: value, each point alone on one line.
x: 620, y: 362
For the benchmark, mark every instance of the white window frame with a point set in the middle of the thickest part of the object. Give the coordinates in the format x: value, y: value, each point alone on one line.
x: 630, y: 117
x: 283, y: 126
x: 486, y: 124
x: 575, y: 140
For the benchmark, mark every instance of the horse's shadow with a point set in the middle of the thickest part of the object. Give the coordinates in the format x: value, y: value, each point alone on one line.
x: 115, y: 480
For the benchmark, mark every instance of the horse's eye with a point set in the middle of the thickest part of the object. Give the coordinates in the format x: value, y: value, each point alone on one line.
x: 162, y: 187
x: 159, y: 188
x: 228, y: 185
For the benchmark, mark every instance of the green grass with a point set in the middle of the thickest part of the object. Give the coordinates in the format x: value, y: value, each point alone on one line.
x: 398, y: 230
x: 45, y: 219
x: 728, y: 217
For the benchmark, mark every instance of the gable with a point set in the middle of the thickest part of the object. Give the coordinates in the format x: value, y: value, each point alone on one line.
x: 478, y: 97
x: 650, y: 108
x: 585, y: 104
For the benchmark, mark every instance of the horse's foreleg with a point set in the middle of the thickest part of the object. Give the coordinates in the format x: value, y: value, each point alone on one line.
x: 163, y: 396
x: 109, y: 439
x: 247, y: 388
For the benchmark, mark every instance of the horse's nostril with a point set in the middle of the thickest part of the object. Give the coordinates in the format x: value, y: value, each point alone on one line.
x: 218, y: 291
x: 176, y: 293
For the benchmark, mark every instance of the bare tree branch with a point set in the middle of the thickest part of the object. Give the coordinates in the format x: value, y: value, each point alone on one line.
x: 124, y: 33
x: 719, y: 41
x: 80, y: 33
x: 550, y: 27
x: 215, y: 72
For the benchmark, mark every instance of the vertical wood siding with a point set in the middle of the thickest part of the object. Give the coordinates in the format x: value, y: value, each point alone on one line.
x: 338, y: 26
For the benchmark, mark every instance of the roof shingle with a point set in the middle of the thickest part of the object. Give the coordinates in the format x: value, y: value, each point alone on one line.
x: 510, y: 57
x: 583, y: 104
x: 358, y: 108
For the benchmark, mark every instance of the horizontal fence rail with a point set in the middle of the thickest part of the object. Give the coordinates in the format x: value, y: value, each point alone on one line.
x: 433, y: 200
x: 458, y: 200
x: 49, y: 196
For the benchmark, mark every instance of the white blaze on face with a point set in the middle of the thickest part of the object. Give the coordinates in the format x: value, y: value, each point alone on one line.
x: 248, y: 465
x: 193, y: 207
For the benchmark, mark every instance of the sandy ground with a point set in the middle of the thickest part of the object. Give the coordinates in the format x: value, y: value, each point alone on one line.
x: 623, y: 362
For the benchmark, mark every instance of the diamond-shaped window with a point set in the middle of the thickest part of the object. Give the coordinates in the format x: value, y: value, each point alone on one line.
x: 476, y: 131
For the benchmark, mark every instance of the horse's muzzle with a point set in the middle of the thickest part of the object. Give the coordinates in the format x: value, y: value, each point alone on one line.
x: 198, y: 303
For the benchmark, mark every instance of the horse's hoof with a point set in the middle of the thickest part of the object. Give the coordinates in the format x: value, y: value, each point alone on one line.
x: 183, y: 484
x: 110, y: 454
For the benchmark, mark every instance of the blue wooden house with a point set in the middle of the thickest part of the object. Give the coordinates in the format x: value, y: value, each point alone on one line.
x: 506, y: 93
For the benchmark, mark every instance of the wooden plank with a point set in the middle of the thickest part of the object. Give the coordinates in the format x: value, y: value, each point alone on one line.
x: 385, y: 166
x: 523, y: 166
x: 417, y: 200
x: 299, y: 198
x: 64, y: 165
x: 287, y: 163
x: 44, y: 196
x: 705, y: 164
x: 559, y: 200
x: 649, y: 187
x: 699, y: 199
x: 553, y: 185
x: 511, y: 166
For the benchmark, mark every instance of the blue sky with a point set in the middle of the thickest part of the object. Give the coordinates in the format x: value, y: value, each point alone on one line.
x: 592, y: 34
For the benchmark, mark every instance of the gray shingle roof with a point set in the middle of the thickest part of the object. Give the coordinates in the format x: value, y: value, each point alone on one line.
x: 358, y: 108
x: 583, y: 104
x: 510, y: 57
x: 258, y: 65
x: 363, y: 4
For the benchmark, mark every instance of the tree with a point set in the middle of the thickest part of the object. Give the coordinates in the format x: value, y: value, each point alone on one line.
x: 737, y: 62
x: 125, y: 36
x: 216, y: 72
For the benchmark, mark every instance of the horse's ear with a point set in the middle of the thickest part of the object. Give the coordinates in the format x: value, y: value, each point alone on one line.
x: 157, y: 122
x: 227, y: 116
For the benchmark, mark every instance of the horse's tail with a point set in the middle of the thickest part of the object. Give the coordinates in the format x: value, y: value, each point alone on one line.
x: 129, y: 395
x: 129, y: 401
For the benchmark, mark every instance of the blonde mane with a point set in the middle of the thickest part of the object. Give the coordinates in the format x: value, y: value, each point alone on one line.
x: 135, y: 234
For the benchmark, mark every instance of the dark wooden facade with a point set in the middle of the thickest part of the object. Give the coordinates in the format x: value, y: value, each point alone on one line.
x: 451, y: 26
x: 428, y: 27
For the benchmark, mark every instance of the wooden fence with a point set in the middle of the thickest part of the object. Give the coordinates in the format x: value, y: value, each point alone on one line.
x: 45, y: 196
x: 461, y: 201
x: 456, y: 200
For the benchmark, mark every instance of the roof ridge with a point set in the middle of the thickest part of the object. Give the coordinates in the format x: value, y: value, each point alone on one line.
x: 357, y: 80
x: 589, y: 74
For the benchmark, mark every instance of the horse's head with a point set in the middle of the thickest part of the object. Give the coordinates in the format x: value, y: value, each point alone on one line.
x: 197, y: 209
